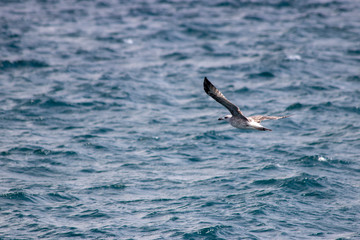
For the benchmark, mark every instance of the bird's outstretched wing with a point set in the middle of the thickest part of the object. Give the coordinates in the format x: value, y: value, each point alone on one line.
x: 213, y: 92
x: 259, y: 118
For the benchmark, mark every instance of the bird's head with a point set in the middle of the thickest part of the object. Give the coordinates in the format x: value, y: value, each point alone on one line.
x: 226, y: 118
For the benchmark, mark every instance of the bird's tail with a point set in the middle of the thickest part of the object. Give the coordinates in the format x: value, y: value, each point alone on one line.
x: 263, y: 129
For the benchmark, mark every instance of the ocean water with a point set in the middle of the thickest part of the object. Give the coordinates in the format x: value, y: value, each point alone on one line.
x: 107, y: 133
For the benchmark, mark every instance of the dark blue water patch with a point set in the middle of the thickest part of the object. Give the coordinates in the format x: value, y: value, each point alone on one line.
x: 95, y: 146
x: 36, y: 171
x: 214, y: 232
x: 321, y: 107
x: 263, y: 230
x: 166, y: 36
x: 195, y: 31
x: 70, y: 128
x: 176, y: 56
x: 42, y: 152
x: 147, y: 10
x: 328, y: 194
x: 105, y: 231
x: 18, y: 64
x: 195, y: 159
x: 269, y: 167
x: 60, y: 197
x: 115, y: 186
x: 264, y: 75
x: 42, y: 232
x: 39, y: 104
x: 212, y: 135
x: 131, y: 166
x: 53, y: 161
x: 69, y: 232
x: 322, y: 87
x: 256, y: 18
x: 20, y: 150
x: 263, y: 193
x: 100, y: 55
x: 156, y: 214
x: 355, y: 52
x: 101, y: 130
x: 299, y: 183
x: 51, y: 102
x: 244, y: 90
x: 39, y: 151
x: 303, y: 182
x: 353, y: 78
x: 329, y: 106
x: 91, y: 214
x: 89, y: 170
x: 15, y: 195
x: 97, y: 105
x: 295, y: 106
x: 84, y: 138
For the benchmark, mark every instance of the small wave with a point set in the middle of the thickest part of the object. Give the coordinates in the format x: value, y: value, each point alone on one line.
x: 214, y: 232
x: 17, y: 196
x: 91, y: 214
x: 199, y: 31
x: 36, y: 150
x: 38, y: 171
x: 95, y: 146
x: 102, y: 130
x: 50, y: 102
x: 317, y: 160
x: 326, y: 106
x: 176, y: 56
x: 269, y: 167
x: 43, y: 102
x: 85, y: 136
x: 298, y: 183
x: 244, y: 90
x: 57, y: 197
x: 319, y: 194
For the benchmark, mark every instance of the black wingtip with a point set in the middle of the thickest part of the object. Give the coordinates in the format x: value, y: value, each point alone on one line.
x: 206, y: 85
x: 206, y: 81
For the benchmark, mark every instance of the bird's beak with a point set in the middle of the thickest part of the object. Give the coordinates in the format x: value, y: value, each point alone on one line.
x: 221, y: 119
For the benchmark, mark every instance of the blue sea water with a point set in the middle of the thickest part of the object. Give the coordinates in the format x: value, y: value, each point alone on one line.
x: 107, y: 133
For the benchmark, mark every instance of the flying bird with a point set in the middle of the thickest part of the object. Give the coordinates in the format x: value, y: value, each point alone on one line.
x: 237, y: 118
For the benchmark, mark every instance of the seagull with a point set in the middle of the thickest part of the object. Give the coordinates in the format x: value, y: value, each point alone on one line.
x: 237, y: 118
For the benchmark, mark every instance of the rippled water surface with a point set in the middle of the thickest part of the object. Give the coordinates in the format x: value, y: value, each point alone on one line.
x: 106, y: 132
